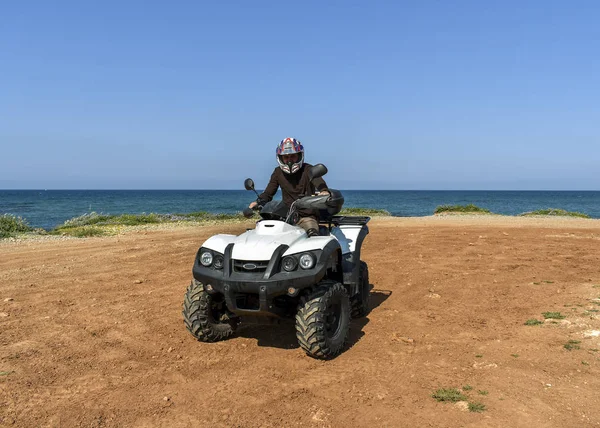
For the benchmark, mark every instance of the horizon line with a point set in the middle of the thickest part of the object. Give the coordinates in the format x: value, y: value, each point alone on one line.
x: 343, y: 190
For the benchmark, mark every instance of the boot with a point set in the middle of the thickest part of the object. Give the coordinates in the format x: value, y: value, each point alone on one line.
x: 312, y: 232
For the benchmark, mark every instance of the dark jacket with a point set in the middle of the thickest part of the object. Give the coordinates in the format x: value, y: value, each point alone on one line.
x: 293, y: 187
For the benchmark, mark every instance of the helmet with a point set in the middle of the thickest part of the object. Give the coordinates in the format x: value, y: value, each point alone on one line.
x: 289, y: 146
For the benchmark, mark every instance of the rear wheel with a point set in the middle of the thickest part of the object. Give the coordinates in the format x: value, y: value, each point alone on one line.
x: 360, y: 301
x: 323, y: 320
x: 205, y: 315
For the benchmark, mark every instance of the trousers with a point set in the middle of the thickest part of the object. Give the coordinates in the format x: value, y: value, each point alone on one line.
x: 307, y: 223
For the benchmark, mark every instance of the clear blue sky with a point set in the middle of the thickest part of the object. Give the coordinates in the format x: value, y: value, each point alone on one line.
x: 388, y: 94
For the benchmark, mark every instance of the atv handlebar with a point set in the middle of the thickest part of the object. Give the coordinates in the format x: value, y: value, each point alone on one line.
x: 317, y: 202
x: 249, y: 212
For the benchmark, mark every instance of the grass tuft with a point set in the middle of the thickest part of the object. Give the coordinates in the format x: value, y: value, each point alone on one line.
x: 572, y: 344
x: 476, y: 407
x: 553, y: 315
x: 555, y: 212
x: 533, y: 321
x: 467, y: 388
x: 451, y: 395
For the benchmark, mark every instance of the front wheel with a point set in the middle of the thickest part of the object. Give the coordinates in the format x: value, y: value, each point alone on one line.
x: 206, y: 316
x: 323, y: 320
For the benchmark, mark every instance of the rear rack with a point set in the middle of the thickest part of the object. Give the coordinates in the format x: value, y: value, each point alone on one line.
x: 340, y: 220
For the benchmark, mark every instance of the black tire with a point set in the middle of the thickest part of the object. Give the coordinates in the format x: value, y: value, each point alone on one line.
x: 360, y: 301
x: 206, y: 316
x: 323, y: 320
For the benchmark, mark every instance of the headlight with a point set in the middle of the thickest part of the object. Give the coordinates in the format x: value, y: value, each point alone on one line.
x: 307, y: 261
x: 218, y: 262
x: 289, y: 263
x: 206, y: 258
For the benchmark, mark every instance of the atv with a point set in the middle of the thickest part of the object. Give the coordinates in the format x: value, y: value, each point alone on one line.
x: 276, y: 271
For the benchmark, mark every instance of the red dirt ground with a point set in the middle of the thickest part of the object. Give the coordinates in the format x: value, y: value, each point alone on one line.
x: 93, y: 335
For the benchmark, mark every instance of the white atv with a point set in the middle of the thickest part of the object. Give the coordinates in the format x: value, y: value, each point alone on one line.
x: 276, y: 271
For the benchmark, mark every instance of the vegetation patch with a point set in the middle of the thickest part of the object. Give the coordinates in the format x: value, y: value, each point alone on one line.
x: 553, y: 315
x: 81, y: 232
x: 11, y: 225
x: 554, y: 212
x: 533, y: 321
x: 6, y: 373
x: 467, y: 388
x: 80, y: 226
x: 468, y: 209
x: 371, y: 212
x: 451, y: 395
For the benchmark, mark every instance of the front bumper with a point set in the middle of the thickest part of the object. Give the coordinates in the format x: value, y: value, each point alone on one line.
x: 254, y: 293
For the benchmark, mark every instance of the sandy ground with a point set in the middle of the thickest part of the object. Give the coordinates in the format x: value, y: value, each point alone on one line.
x: 91, y: 334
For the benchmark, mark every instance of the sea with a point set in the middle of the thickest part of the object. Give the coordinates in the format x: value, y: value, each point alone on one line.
x: 50, y: 208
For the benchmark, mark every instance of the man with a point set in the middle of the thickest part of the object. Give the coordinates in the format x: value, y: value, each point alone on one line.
x: 292, y: 176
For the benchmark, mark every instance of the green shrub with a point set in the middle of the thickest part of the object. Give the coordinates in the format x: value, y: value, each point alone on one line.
x: 555, y: 212
x: 10, y: 225
x: 470, y: 208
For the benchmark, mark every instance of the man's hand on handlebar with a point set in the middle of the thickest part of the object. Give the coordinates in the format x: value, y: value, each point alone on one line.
x: 253, y: 205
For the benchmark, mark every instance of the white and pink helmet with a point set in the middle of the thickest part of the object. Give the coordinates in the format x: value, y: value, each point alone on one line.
x: 290, y: 146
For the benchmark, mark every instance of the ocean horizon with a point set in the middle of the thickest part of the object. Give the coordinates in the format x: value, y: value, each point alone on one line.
x: 49, y: 208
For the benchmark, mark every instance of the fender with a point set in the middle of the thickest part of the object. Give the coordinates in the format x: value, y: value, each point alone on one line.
x: 218, y: 243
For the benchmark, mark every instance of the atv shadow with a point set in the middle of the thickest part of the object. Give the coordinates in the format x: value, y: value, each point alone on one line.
x: 376, y: 298
x: 278, y: 335
x: 283, y: 334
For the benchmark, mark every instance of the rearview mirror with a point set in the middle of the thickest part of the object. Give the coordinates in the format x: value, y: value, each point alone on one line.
x: 318, y: 170
x: 249, y: 184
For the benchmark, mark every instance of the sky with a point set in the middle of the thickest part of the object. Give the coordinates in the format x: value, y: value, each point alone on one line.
x: 415, y: 95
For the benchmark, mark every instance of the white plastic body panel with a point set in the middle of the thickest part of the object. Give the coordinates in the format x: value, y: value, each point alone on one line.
x: 219, y: 242
x: 260, y: 243
x: 346, y: 236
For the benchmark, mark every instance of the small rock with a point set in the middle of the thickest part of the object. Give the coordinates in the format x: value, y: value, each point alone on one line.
x: 170, y: 350
x: 166, y: 398
x: 462, y: 405
x: 138, y: 281
x: 9, y: 299
x: 433, y: 296
x: 3, y: 314
x: 403, y: 339
x: 548, y: 385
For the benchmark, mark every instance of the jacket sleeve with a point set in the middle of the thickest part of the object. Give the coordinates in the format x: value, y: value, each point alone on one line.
x: 320, y: 184
x: 271, y: 189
